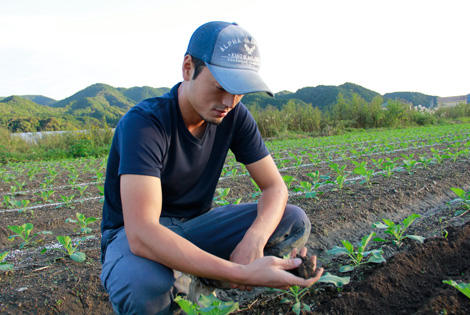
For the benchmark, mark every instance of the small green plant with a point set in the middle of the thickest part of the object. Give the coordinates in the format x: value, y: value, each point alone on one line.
x: 81, y: 189
x: 340, y: 170
x: 24, y: 232
x: 297, y: 294
x: 367, y: 173
x: 340, y: 180
x: 409, y: 164
x: 464, y: 197
x: 397, y: 230
x: 101, y: 192
x: 22, y: 205
x: 358, y: 254
x: 4, y: 265
x: 45, y: 194
x: 207, y: 305
x: 67, y: 200
x: 288, y: 180
x: 462, y: 287
x: 309, y: 189
x: 221, y: 198
x: 257, y: 190
x: 82, y: 223
x: 70, y: 250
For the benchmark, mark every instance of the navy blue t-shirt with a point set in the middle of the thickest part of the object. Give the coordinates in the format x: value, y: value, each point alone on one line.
x: 152, y: 139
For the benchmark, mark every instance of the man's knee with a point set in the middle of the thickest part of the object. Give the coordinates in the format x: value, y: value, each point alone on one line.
x: 142, y: 292
x: 292, y: 232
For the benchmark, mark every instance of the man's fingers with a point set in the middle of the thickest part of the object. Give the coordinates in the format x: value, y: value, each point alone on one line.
x: 303, y: 251
x: 318, y: 274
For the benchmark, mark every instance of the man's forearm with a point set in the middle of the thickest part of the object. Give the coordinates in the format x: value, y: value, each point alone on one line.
x: 271, y: 207
x: 175, y: 252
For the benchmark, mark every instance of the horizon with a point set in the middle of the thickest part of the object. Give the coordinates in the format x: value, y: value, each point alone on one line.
x: 55, y: 49
x: 169, y: 87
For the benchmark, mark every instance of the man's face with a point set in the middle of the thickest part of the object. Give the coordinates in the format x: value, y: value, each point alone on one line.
x: 209, y: 100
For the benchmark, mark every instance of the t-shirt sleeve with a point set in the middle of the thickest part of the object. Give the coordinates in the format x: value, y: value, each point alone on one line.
x: 247, y: 145
x: 141, y: 145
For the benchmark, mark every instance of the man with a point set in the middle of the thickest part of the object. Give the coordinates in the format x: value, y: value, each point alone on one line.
x: 164, y: 164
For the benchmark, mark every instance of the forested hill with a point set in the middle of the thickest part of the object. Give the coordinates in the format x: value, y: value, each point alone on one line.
x: 101, y: 104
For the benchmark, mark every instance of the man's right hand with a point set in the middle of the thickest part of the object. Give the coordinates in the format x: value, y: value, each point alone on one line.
x: 271, y: 272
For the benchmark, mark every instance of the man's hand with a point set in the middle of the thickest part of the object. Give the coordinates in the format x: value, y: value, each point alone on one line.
x: 245, y: 252
x: 271, y: 272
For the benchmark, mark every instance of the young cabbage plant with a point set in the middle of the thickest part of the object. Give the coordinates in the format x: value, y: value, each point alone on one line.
x: 3, y: 264
x: 358, y: 254
x: 208, y: 305
x: 71, y: 250
x: 409, y: 164
x: 397, y: 230
x: 464, y: 288
x: 82, y: 223
x: 221, y: 198
x: 297, y: 293
x: 367, y: 173
x: 24, y: 232
x: 464, y: 197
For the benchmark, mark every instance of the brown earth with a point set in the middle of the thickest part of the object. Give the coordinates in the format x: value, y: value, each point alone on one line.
x: 409, y: 282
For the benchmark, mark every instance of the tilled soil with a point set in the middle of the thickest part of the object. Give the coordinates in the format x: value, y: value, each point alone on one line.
x: 409, y: 282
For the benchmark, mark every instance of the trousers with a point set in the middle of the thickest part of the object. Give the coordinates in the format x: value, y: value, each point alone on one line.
x: 137, y: 285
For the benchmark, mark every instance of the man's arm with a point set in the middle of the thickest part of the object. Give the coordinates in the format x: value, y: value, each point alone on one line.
x: 142, y: 202
x: 271, y: 206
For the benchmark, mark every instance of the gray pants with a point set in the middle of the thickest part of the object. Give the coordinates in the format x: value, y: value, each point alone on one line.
x: 138, y: 285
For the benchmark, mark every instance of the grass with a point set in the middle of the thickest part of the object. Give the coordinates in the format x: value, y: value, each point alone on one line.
x: 93, y: 142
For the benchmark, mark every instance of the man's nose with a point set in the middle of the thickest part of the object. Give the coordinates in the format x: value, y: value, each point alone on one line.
x: 230, y: 100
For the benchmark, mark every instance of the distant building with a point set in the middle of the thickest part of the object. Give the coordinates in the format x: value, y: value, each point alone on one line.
x: 451, y: 101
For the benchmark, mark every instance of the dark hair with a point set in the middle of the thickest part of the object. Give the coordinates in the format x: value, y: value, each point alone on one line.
x: 198, y: 64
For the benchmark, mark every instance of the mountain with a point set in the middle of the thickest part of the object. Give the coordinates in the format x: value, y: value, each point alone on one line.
x: 414, y: 98
x: 138, y: 94
x: 20, y: 106
x: 39, y: 99
x: 97, y: 102
x: 321, y: 96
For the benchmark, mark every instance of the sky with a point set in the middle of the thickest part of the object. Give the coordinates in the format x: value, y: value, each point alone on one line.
x: 56, y: 48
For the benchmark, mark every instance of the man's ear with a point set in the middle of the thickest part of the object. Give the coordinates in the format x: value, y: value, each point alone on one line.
x: 188, y: 68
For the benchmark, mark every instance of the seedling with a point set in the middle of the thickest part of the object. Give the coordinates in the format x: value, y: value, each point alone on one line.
x: 340, y: 181
x: 82, y: 223
x: 45, y: 194
x: 288, y: 180
x: 221, y: 198
x: 361, y: 170
x: 397, y: 230
x: 23, y: 205
x: 24, y: 232
x: 67, y: 200
x: 357, y: 255
x: 4, y: 265
x: 101, y: 192
x: 409, y: 164
x: 81, y: 189
x: 296, y: 293
x: 7, y: 201
x: 257, y: 190
x: 340, y: 170
x: 309, y: 189
x: 207, y: 305
x: 70, y: 250
x: 462, y: 287
x: 464, y: 197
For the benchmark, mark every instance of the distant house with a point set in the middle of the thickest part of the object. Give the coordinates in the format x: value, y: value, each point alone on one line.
x: 451, y: 101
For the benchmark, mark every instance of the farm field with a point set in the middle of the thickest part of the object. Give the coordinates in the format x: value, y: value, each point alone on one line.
x: 344, y: 183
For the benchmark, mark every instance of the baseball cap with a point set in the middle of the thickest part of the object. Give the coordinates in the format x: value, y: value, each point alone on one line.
x: 231, y: 54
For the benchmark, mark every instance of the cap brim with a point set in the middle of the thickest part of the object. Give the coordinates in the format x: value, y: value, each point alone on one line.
x: 239, y: 81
